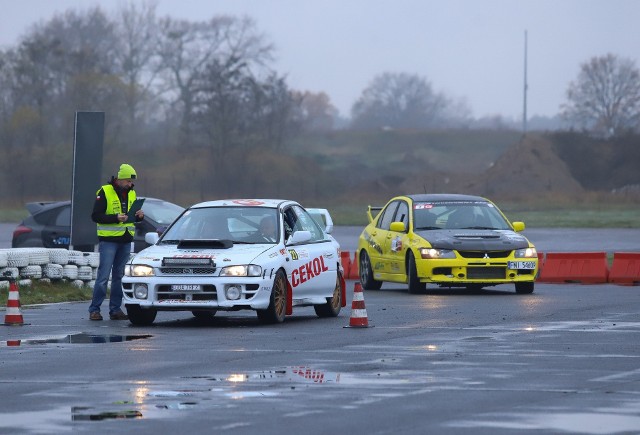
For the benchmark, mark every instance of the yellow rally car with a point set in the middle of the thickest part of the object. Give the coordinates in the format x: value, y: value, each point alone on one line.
x: 448, y: 240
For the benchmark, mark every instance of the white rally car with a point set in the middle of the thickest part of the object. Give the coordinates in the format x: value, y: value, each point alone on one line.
x: 266, y: 255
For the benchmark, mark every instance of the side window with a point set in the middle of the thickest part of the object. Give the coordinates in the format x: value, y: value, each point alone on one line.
x: 402, y: 215
x: 387, y: 215
x: 306, y: 223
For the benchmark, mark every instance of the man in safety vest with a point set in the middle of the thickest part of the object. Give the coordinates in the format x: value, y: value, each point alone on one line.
x: 115, y: 235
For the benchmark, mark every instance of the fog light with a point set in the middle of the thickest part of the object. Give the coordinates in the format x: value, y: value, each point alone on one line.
x: 140, y: 291
x: 233, y: 292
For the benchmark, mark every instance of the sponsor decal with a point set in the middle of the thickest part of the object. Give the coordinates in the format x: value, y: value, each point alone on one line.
x: 378, y: 266
x: 395, y: 267
x: 193, y: 256
x: 372, y: 243
x: 247, y: 202
x: 308, y: 271
x: 422, y: 206
x: 328, y: 255
x: 273, y: 254
x: 283, y: 251
x: 396, y: 244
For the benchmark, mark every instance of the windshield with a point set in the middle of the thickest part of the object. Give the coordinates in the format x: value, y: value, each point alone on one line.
x: 238, y: 224
x: 457, y: 215
x: 162, y: 212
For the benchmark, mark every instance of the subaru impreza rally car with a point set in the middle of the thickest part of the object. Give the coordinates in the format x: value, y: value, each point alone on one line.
x: 266, y: 255
x: 449, y: 240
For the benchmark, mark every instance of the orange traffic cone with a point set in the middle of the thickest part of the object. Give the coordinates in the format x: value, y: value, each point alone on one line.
x: 358, y: 311
x: 13, y: 315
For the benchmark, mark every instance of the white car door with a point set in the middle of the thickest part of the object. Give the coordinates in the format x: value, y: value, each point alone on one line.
x: 312, y: 267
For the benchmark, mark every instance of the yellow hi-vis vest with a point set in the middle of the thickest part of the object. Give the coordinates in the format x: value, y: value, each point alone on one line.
x: 114, y: 207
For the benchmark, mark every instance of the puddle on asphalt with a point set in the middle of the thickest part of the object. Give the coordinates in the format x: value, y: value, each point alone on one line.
x: 81, y: 338
x: 85, y: 413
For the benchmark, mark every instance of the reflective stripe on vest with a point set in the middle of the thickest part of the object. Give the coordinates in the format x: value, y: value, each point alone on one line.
x: 114, y: 207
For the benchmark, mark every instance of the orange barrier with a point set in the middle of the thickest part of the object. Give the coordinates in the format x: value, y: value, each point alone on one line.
x: 345, y: 260
x: 354, y: 268
x: 581, y: 267
x: 625, y: 269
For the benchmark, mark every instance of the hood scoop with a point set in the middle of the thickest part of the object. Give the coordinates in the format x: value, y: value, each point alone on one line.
x: 205, y: 244
x: 483, y: 235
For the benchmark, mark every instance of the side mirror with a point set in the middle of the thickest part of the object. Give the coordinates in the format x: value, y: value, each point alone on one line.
x: 299, y: 237
x: 518, y: 226
x: 151, y: 238
x: 398, y: 227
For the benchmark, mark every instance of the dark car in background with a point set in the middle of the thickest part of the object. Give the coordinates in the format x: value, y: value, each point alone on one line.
x: 49, y: 224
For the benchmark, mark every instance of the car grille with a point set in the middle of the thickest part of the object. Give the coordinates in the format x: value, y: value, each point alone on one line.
x: 187, y: 270
x: 486, y: 273
x: 484, y: 254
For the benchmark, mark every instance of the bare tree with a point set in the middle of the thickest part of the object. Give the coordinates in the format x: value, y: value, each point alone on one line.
x: 137, y: 29
x: 316, y: 113
x: 188, y: 50
x: 605, y: 97
x: 397, y: 100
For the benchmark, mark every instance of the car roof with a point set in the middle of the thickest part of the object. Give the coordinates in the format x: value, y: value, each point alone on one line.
x: 40, y: 206
x: 426, y: 197
x: 246, y: 202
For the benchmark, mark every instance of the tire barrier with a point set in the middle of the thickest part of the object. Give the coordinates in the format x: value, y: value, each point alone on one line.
x: 26, y: 265
x: 625, y: 269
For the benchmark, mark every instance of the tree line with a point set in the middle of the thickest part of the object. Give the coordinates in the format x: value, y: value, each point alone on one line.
x: 203, y: 99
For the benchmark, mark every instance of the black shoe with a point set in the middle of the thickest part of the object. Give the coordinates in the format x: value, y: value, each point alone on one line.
x: 118, y: 316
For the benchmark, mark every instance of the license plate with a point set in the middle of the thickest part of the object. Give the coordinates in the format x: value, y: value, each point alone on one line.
x: 522, y: 265
x: 186, y: 287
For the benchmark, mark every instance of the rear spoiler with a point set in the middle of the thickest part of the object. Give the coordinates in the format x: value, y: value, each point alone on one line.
x: 370, y: 215
x: 34, y: 207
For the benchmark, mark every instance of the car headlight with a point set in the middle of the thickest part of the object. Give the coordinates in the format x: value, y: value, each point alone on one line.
x: 138, y: 270
x: 241, y: 270
x: 526, y: 253
x: 433, y: 253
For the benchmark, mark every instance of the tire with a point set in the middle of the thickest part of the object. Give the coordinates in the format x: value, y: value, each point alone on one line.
x: 203, y: 314
x: 415, y: 286
x: 523, y: 288
x: 366, y: 273
x: 139, y: 316
x: 277, y: 308
x: 332, y: 307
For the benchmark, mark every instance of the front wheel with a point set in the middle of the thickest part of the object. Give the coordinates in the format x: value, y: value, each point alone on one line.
x: 140, y: 316
x: 366, y: 273
x: 415, y: 286
x: 524, y: 287
x: 332, y: 307
x: 277, y: 308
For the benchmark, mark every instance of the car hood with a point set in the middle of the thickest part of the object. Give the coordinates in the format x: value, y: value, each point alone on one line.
x: 475, y: 240
x: 237, y: 254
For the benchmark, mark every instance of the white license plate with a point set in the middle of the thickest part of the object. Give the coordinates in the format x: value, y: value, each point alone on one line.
x: 522, y: 265
x: 186, y: 287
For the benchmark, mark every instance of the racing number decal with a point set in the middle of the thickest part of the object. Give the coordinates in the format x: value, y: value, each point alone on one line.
x: 294, y: 254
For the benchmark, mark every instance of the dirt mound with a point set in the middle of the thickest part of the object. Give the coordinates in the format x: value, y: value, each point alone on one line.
x: 529, y: 168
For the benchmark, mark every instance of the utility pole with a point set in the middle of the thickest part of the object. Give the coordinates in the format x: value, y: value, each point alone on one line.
x: 524, y: 112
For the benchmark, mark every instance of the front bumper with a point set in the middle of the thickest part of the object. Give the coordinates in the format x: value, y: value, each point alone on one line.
x: 212, y: 293
x: 463, y: 271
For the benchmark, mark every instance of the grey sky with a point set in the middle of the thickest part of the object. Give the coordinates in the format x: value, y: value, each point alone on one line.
x: 468, y: 49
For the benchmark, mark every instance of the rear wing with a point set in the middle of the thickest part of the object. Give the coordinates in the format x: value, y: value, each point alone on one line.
x: 372, y: 212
